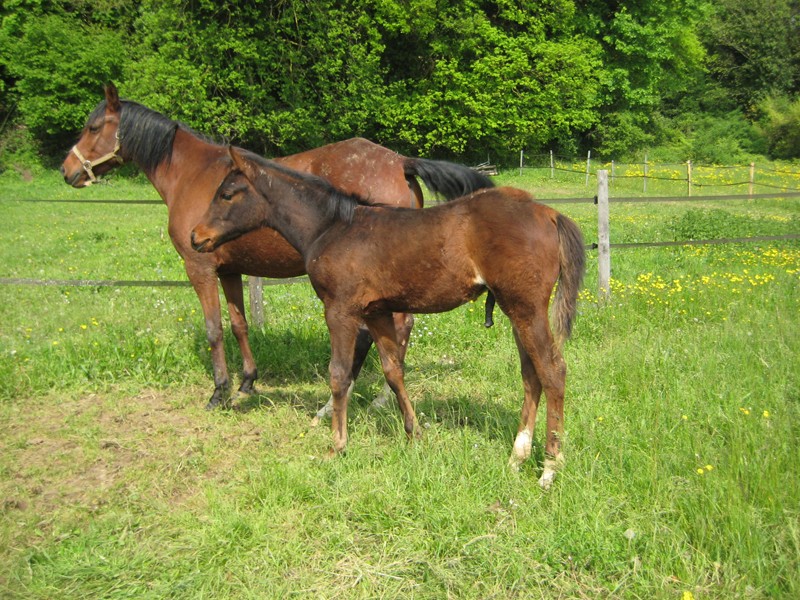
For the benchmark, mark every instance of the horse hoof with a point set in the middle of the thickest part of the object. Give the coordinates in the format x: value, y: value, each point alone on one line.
x: 547, y: 478
x: 380, y: 404
x: 219, y: 400
x: 248, y: 387
x: 323, y: 413
x: 551, y: 467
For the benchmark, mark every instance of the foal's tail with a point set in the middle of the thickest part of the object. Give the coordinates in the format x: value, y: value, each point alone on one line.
x: 572, y: 261
x: 445, y: 178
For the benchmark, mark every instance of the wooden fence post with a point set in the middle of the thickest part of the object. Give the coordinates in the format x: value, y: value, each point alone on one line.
x: 552, y: 166
x: 644, y: 190
x: 254, y: 285
x: 689, y: 177
x: 521, y: 156
x: 603, y: 243
x: 752, y: 178
x: 588, y: 166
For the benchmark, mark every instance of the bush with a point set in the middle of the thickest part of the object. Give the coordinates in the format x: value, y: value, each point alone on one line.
x: 781, y: 125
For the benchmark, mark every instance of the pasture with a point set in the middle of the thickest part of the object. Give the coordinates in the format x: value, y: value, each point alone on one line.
x: 682, y: 426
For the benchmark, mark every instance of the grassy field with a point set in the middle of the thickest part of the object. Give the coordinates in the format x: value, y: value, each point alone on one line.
x: 682, y: 426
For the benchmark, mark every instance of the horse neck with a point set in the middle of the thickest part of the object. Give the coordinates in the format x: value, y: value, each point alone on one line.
x: 189, y: 161
x: 297, y: 209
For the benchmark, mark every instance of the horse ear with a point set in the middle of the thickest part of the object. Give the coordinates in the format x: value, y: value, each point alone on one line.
x: 240, y: 162
x: 112, y: 97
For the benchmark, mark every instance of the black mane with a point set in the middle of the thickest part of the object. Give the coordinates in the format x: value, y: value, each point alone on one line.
x: 146, y: 136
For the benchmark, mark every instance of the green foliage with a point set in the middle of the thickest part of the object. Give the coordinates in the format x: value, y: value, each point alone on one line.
x: 58, y: 66
x: 754, y: 48
x: 457, y: 79
x: 781, y: 124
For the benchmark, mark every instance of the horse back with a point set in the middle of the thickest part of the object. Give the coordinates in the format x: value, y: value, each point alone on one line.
x: 359, y: 167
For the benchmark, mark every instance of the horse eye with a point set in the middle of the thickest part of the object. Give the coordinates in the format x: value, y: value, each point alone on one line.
x: 227, y: 196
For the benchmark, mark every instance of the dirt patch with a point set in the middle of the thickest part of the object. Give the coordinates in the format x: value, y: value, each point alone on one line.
x: 82, y: 454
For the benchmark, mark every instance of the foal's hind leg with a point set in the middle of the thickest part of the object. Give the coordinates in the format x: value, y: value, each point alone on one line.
x: 384, y: 332
x: 537, y: 340
x: 533, y: 391
x: 232, y: 287
x: 403, y: 323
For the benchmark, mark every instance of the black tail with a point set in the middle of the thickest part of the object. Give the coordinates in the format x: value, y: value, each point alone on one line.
x: 446, y: 179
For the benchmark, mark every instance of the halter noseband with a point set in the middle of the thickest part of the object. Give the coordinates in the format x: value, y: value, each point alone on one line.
x: 89, y: 164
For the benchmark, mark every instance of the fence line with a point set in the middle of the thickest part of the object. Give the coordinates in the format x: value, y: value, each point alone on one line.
x: 603, y: 245
x: 128, y: 282
x: 692, y: 179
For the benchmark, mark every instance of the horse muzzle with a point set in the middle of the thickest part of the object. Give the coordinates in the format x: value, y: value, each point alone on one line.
x: 89, y: 165
x: 201, y: 243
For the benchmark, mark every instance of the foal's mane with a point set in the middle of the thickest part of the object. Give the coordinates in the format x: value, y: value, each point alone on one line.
x: 147, y: 135
x: 338, y: 204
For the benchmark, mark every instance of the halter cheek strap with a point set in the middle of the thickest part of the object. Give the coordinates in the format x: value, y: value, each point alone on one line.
x: 89, y: 164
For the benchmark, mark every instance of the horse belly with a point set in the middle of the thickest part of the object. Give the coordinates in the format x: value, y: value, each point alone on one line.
x: 434, y: 297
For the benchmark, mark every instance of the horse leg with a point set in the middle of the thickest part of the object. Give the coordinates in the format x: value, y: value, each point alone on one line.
x: 403, y: 323
x: 363, y: 344
x: 384, y: 332
x: 533, y: 391
x: 537, y: 340
x: 206, y: 288
x: 343, y: 335
x: 232, y: 287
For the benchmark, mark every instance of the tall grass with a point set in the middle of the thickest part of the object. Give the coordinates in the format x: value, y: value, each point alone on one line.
x: 681, y: 429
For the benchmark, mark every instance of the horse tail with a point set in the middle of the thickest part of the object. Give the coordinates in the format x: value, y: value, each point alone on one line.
x: 572, y: 263
x: 446, y: 179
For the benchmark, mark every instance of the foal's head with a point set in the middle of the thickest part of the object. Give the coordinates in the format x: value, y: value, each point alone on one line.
x: 247, y: 197
x: 236, y: 208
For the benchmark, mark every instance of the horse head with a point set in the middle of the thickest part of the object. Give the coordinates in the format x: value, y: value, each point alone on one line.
x: 235, y: 209
x: 97, y: 150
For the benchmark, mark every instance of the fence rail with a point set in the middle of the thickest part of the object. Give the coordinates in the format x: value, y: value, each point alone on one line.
x: 603, y: 244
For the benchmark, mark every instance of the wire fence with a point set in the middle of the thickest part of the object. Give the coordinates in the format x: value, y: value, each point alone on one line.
x: 688, y: 175
x: 682, y: 173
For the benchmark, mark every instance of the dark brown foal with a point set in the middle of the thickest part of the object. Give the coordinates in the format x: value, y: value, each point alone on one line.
x: 366, y: 263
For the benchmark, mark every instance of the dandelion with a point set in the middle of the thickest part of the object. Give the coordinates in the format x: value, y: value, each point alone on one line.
x: 709, y: 467
x: 684, y: 418
x: 765, y: 414
x: 84, y: 326
x: 701, y: 471
x: 600, y: 419
x: 687, y: 595
x: 744, y: 411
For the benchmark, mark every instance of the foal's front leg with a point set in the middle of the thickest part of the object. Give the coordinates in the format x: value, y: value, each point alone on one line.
x: 343, y: 334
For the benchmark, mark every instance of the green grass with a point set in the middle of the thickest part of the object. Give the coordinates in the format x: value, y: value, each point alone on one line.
x: 682, y: 412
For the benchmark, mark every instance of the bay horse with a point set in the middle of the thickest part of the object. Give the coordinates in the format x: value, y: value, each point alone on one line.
x: 185, y: 169
x: 366, y: 262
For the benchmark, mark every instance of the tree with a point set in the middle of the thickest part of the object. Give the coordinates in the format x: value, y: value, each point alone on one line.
x: 754, y: 48
x: 55, y: 66
x: 651, y: 53
x: 470, y: 77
